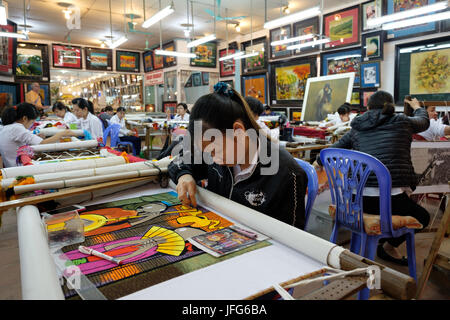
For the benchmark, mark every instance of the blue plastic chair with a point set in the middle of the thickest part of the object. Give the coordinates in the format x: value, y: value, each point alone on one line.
x: 113, y: 131
x: 313, y: 186
x: 347, y: 172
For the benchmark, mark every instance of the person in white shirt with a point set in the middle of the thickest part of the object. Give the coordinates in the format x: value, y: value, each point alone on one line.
x: 437, y: 129
x: 342, y: 117
x: 15, y: 133
x: 87, y: 120
x: 63, y: 112
x: 182, y: 112
x: 124, y: 133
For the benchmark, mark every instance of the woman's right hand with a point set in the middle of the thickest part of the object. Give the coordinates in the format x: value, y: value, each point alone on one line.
x: 414, y: 103
x: 186, y: 189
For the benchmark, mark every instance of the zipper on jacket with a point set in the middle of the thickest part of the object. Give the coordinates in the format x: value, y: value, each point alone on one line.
x: 232, y: 182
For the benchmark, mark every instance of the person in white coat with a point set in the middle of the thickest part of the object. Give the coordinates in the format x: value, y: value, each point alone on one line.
x: 182, y: 112
x: 124, y: 133
x: 15, y: 133
x: 61, y: 111
x: 437, y: 129
x: 87, y: 120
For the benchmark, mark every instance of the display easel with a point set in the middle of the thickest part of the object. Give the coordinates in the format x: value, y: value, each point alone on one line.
x: 433, y: 252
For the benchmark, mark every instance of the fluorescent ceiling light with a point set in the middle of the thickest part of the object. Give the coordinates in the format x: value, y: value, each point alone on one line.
x: 248, y: 55
x: 3, y: 17
x: 407, y: 14
x: 308, y: 44
x: 117, y: 43
x: 417, y: 21
x: 14, y: 35
x: 197, y: 42
x: 231, y: 56
x: 158, y: 16
x: 295, y: 17
x: 175, y: 53
x: 300, y: 38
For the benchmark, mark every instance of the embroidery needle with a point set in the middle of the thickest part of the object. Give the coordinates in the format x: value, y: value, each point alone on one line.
x: 90, y: 251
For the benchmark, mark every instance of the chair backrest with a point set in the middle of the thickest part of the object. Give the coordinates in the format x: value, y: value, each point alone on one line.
x: 313, y: 186
x: 347, y: 172
x: 113, y: 132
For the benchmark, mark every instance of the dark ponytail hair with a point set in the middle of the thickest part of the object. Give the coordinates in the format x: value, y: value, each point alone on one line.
x: 221, y: 109
x: 12, y: 114
x: 60, y: 106
x: 345, y: 108
x: 119, y: 109
x: 382, y: 100
x: 84, y: 104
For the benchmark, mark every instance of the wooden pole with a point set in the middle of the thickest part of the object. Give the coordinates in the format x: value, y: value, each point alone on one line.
x: 433, y: 252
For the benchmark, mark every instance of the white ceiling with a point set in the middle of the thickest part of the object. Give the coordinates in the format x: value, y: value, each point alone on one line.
x: 48, y: 23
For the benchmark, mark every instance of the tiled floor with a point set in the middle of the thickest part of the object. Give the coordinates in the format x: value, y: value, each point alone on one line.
x: 10, y: 262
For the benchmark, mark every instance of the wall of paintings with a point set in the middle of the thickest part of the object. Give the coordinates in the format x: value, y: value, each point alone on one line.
x: 371, y: 53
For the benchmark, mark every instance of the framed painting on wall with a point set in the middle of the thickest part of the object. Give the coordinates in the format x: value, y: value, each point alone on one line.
x: 288, y: 79
x: 8, y: 50
x: 342, y: 62
x: 158, y: 61
x: 295, y: 114
x: 281, y: 110
x: 370, y: 10
x: 196, y: 79
x: 44, y: 92
x: 128, y: 61
x: 32, y: 62
x: 98, y: 59
x: 302, y: 28
x: 412, y: 70
x: 227, y: 67
x: 370, y: 74
x: 206, y: 55
x: 257, y: 63
x: 280, y: 51
x: 148, y: 61
x: 169, y: 61
x: 355, y: 101
x: 394, y: 6
x: 66, y: 56
x: 170, y: 105
x: 342, y: 27
x: 365, y: 95
x: 255, y: 86
x: 372, y: 46
x: 205, y: 78
x: 325, y: 94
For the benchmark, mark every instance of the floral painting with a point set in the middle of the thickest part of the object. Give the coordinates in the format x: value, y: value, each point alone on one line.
x: 430, y: 72
x: 291, y: 81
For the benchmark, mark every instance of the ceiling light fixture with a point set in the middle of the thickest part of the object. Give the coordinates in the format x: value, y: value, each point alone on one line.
x: 22, y: 36
x: 407, y: 14
x: 308, y: 44
x: 416, y: 21
x: 237, y: 27
x: 175, y: 53
x: 67, y: 13
x: 300, y: 38
x: 158, y: 16
x: 232, y: 56
x: 295, y: 17
x: 286, y: 10
x: 200, y: 41
x: 3, y: 16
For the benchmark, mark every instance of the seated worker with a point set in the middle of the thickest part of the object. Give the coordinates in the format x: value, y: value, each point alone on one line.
x: 87, y: 120
x: 387, y: 136
x: 182, y: 112
x: 245, y: 178
x: 257, y: 108
x: 16, y: 121
x: 268, y: 112
x: 342, y: 116
x: 125, y: 134
x: 437, y: 129
x: 62, y: 111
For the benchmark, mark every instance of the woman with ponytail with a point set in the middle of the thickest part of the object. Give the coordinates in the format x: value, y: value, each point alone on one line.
x: 17, y: 120
x: 223, y: 130
x: 63, y: 112
x: 84, y: 111
x: 387, y: 136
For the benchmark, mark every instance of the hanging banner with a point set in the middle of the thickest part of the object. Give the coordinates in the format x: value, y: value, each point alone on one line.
x: 154, y: 78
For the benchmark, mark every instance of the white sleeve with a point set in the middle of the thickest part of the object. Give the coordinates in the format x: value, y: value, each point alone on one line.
x: 96, y: 128
x: 26, y: 137
x: 438, y: 128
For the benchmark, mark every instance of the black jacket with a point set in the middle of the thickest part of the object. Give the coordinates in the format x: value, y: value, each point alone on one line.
x: 281, y: 196
x: 387, y: 138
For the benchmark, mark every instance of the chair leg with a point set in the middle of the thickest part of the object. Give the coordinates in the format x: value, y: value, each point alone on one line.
x: 334, y: 234
x: 370, y: 248
x: 411, y: 251
x: 355, y: 243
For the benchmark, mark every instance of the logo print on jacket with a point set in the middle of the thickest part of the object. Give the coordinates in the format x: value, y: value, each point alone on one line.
x: 255, y: 198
